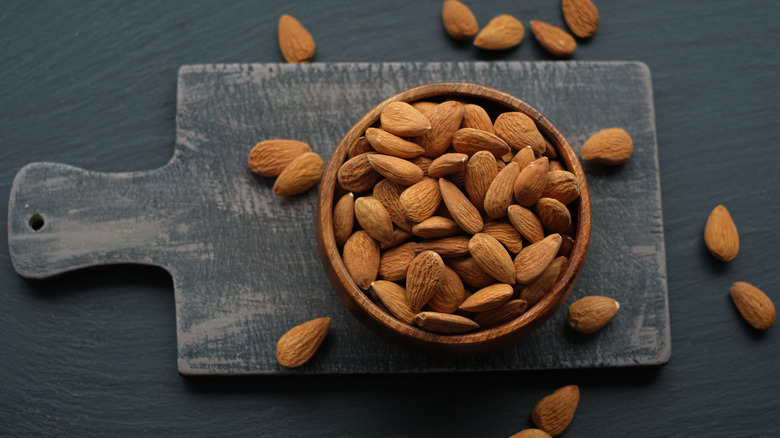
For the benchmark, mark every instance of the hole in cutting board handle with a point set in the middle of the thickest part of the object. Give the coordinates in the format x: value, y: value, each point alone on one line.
x: 36, y: 222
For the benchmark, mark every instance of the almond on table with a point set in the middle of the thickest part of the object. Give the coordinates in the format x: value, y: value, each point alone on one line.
x: 295, y: 42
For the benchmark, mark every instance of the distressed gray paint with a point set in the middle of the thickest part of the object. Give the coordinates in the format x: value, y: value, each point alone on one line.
x: 244, y: 262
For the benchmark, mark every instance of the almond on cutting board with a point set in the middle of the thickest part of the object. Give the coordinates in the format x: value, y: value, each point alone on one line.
x: 298, y: 345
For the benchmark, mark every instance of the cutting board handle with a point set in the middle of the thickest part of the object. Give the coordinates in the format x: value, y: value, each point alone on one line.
x: 62, y: 218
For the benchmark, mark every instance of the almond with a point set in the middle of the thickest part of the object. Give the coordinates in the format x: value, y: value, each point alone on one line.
x: 611, y: 146
x: 425, y: 108
x: 454, y: 246
x: 567, y: 245
x: 589, y: 314
x: 423, y: 163
x: 393, y: 296
x: 753, y: 305
x: 556, y: 165
x: 356, y: 174
x: 403, y: 120
x: 554, y: 413
x: 374, y: 218
x: 549, y: 149
x: 492, y: 257
x: 444, y: 323
x: 299, y: 344
x: 423, y: 277
x: 444, y: 123
x: 268, y: 158
x: 720, y: 235
x: 518, y: 131
x: 462, y: 210
x: 295, y: 42
x: 396, y: 169
x: 421, y: 200
x: 535, y: 258
x: 361, y: 258
x: 501, y: 33
x: 389, y: 194
x: 505, y: 313
x: 500, y: 194
x: 555, y: 217
x: 435, y: 227
x: 524, y: 157
x: 469, y: 272
x: 506, y: 234
x: 400, y: 236
x: 390, y: 144
x: 480, y: 172
x: 531, y: 182
x: 360, y: 146
x: 394, y: 263
x: 474, y: 116
x: 459, y: 22
x: 450, y: 294
x: 534, y: 292
x: 553, y: 39
x: 488, y: 298
x: 470, y: 141
x: 561, y: 185
x: 526, y: 223
x: 531, y: 433
x: 581, y: 16
x: 301, y: 174
x: 447, y: 164
x: 344, y: 218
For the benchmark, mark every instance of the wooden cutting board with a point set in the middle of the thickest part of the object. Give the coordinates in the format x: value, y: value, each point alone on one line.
x: 244, y: 262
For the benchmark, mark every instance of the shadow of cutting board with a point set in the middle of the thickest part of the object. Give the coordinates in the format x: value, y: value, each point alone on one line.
x: 244, y: 262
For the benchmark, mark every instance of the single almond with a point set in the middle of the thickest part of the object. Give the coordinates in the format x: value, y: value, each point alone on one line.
x: 422, y: 278
x: 444, y: 123
x: 534, y: 292
x: 436, y: 227
x: 526, y: 223
x: 535, y: 258
x: 374, y: 218
x: 425, y: 108
x: 471, y: 140
x: 268, y: 158
x: 720, y: 235
x: 403, y: 120
x: 444, y: 323
x: 589, y: 314
x: 531, y: 182
x: 400, y: 236
x: 390, y: 144
x: 344, y: 218
x: 518, y: 131
x: 301, y: 174
x: 298, y: 345
x: 423, y: 163
x: 459, y: 22
x: 492, y: 257
x: 554, y: 413
x: 394, y: 262
x: 500, y: 194
x: 420, y: 201
x: 396, y: 169
x: 295, y: 42
x: 524, y: 157
x: 447, y: 164
x: 361, y: 258
x: 450, y: 294
x: 611, y: 146
x: 556, y: 165
x: 553, y: 39
x: 753, y: 305
x: 480, y: 172
x: 531, y: 433
x: 488, y: 298
x: 469, y: 272
x: 581, y: 16
x: 555, y: 217
x: 503, y: 314
x: 567, y: 245
x: 389, y: 194
x: 462, y: 210
x: 360, y: 146
x: 454, y: 246
x: 506, y: 234
x: 501, y: 33
x: 356, y: 174
x: 393, y: 296
x: 549, y: 149
x: 474, y: 116
x: 561, y: 185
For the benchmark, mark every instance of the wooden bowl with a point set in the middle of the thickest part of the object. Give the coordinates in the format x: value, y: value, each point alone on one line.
x: 480, y: 341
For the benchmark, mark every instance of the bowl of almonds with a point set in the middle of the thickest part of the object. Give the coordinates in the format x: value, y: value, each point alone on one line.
x: 453, y: 219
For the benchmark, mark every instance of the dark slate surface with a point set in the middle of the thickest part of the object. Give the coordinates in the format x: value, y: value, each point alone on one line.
x: 93, y: 85
x: 244, y: 261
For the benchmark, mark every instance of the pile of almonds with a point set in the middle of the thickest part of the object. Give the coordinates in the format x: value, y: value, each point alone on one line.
x: 453, y: 220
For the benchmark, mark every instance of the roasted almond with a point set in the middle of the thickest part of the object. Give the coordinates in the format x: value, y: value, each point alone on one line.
x: 435, y: 227
x: 301, y: 174
x: 420, y: 201
x: 555, y: 217
x: 459, y: 22
x: 422, y: 278
x: 444, y: 123
x: 505, y: 313
x: 374, y: 218
x: 553, y: 39
x: 535, y: 258
x: 295, y: 42
x: 298, y: 345
x: 390, y: 144
x: 474, y: 116
x: 506, y: 234
x: 501, y: 33
x: 450, y: 294
x: 462, y: 210
x: 531, y: 182
x: 396, y: 169
x: 447, y: 164
x: 581, y: 16
x: 480, y: 172
x: 753, y: 304
x: 471, y: 140
x: 589, y: 314
x: 394, y: 262
x: 518, y: 131
x: 500, y: 194
x: 344, y: 218
x: 492, y: 257
x: 534, y: 292
x: 526, y: 223
x: 268, y: 158
x: 361, y: 258
x: 720, y: 235
x: 488, y: 298
x: 444, y: 323
x: 469, y: 272
x: 554, y: 413
x: 453, y: 246
x: 356, y: 174
x: 561, y: 185
x: 404, y: 120
x: 611, y: 146
x: 389, y: 194
x: 393, y: 296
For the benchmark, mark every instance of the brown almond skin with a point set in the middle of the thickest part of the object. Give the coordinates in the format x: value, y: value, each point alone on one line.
x: 531, y: 433
x: 420, y: 201
x: 492, y: 257
x: 561, y: 185
x: 526, y: 223
x: 391, y: 144
x: 453, y: 246
x: 295, y: 42
x: 480, y: 171
x: 400, y: 236
x: 554, y: 413
x: 389, y: 194
x: 518, y: 131
x: 500, y: 194
x: 470, y: 141
x: 447, y: 164
x: 462, y: 210
x: 268, y: 158
x: 298, y: 345
x: 301, y: 174
x: 444, y: 323
x: 535, y: 258
x: 470, y: 273
x: 396, y: 169
x: 720, y: 235
x: 360, y: 146
x: 501, y: 33
x: 445, y: 121
x: 393, y: 296
x: 555, y: 40
x: 404, y: 120
x: 425, y: 108
x: 459, y: 22
x: 394, y: 262
x: 361, y: 258
x: 450, y: 294
x: 590, y: 314
x: 612, y: 147
x: 555, y: 217
x: 531, y: 182
x: 422, y: 278
x: 436, y: 227
x: 356, y: 174
x: 488, y: 298
x: 524, y: 157
x: 506, y: 234
x: 753, y: 304
x: 505, y: 313
x: 581, y: 16
x: 474, y: 116
x: 534, y: 292
x: 344, y: 218
x: 374, y: 218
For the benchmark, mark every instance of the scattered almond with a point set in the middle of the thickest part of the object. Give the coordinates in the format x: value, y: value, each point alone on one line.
x: 459, y: 22
x: 553, y: 39
x: 753, y: 304
x: 611, y: 146
x: 589, y: 314
x: 554, y: 413
x: 268, y: 158
x: 295, y: 42
x: 720, y: 235
x: 581, y: 16
x: 298, y: 345
x: 301, y: 174
x: 501, y: 33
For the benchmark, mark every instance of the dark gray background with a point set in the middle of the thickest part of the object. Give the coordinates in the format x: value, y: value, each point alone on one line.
x: 93, y: 84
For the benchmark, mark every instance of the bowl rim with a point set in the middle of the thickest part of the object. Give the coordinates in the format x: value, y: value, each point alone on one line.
x: 357, y: 301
